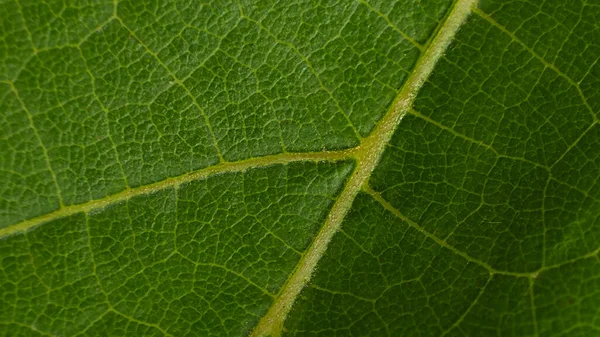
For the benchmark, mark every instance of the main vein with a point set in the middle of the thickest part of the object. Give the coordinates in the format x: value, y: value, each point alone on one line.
x: 367, y: 156
x: 225, y: 167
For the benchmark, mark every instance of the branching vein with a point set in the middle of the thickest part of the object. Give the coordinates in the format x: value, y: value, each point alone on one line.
x: 367, y: 156
x: 237, y: 166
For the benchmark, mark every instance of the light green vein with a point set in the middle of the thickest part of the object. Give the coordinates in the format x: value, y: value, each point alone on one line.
x: 474, y: 141
x: 110, y: 306
x: 135, y: 320
x: 343, y: 293
x: 182, y: 85
x: 541, y: 59
x: 593, y: 254
x: 391, y: 24
x: 533, y: 311
x: 105, y: 110
x: 308, y: 64
x: 98, y: 319
x: 29, y: 36
x: 221, y: 168
x: 581, y: 135
x: 227, y: 270
x: 462, y: 317
x: 32, y: 328
x: 367, y: 156
x: 439, y: 241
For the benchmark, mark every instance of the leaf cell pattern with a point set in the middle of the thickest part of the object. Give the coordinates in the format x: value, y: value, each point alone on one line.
x: 168, y: 167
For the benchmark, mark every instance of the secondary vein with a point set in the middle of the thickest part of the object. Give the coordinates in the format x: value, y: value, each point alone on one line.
x: 367, y: 156
x: 377, y: 196
x: 129, y: 193
x: 548, y: 64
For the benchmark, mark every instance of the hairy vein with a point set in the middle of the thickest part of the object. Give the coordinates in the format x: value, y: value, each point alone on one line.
x: 367, y: 156
x: 221, y: 168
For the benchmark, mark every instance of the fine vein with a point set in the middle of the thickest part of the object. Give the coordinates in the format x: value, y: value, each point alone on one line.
x: 39, y: 139
x: 225, y: 167
x: 308, y: 64
x: 367, y: 156
x: 462, y: 317
x: 539, y: 58
x: 181, y: 84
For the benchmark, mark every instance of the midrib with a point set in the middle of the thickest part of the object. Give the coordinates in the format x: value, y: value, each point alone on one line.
x: 367, y: 155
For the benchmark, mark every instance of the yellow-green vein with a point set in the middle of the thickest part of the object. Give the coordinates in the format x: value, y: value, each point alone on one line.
x: 367, y: 156
x: 175, y: 181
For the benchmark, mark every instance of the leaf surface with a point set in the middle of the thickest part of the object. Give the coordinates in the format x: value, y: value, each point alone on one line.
x: 412, y: 168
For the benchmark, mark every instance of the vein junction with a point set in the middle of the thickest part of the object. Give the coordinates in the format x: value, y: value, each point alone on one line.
x: 224, y: 167
x: 366, y: 155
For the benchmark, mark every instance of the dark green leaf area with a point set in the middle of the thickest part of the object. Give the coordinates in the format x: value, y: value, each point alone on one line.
x: 572, y: 208
x: 566, y: 299
x: 564, y: 33
x: 486, y: 205
x: 492, y: 89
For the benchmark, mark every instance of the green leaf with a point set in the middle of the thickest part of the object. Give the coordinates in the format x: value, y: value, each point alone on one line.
x: 384, y: 168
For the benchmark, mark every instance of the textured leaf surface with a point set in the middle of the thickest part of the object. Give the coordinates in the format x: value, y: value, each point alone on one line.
x: 179, y: 168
